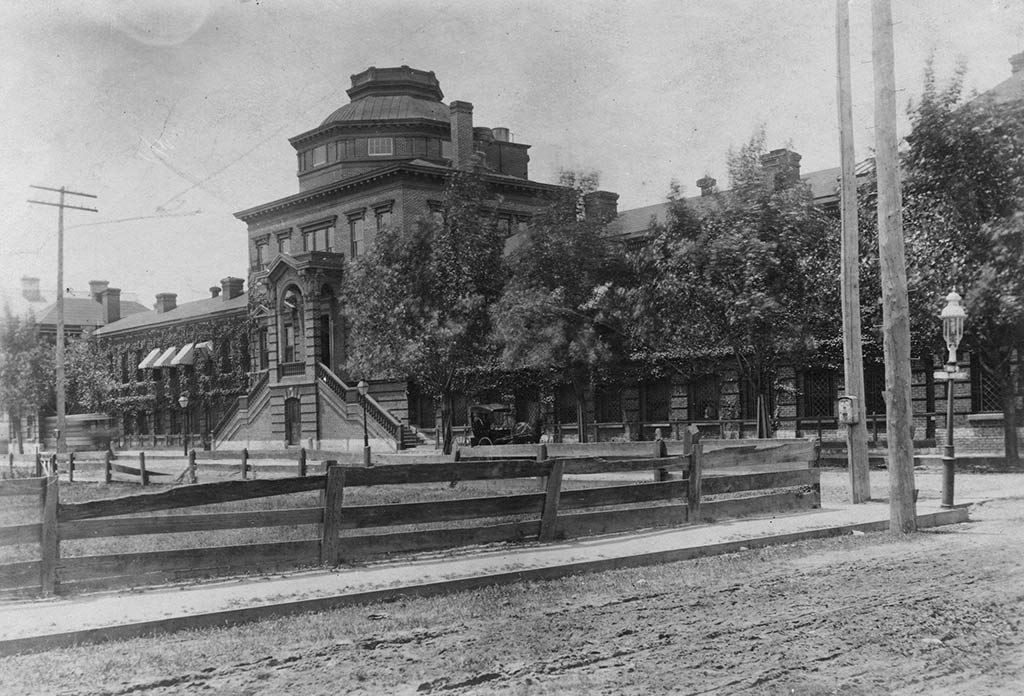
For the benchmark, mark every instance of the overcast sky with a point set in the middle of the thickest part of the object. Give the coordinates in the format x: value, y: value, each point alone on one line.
x: 177, y: 114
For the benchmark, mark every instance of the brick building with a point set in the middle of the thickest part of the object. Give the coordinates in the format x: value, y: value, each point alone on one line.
x: 380, y: 161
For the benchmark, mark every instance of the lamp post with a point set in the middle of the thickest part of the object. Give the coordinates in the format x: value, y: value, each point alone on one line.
x: 953, y: 316
x: 363, y: 388
x: 183, y: 402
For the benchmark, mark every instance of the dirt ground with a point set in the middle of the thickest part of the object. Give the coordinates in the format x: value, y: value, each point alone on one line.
x: 936, y: 613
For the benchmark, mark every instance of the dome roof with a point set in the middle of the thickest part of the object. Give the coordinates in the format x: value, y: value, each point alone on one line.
x: 390, y: 94
x: 391, y: 107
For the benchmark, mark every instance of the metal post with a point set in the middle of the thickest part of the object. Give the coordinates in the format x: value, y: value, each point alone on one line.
x: 948, y: 453
x: 366, y: 436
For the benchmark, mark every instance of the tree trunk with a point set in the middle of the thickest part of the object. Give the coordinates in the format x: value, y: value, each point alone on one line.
x: 1006, y: 384
x: 447, y: 439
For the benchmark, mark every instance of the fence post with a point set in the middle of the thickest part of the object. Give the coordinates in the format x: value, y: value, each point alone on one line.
x: 193, y: 474
x: 552, y: 493
x: 302, y: 462
x: 542, y: 456
x: 660, y: 451
x: 53, y: 465
x: 39, y: 465
x: 334, y: 492
x: 50, y: 543
x: 107, y: 474
x: 10, y: 462
x: 693, y: 493
x: 143, y: 474
x: 71, y: 467
x: 245, y: 462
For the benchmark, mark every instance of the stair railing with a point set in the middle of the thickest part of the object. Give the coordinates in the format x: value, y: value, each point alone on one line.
x: 391, y: 425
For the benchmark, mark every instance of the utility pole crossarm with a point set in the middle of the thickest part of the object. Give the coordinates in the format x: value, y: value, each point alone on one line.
x: 65, y: 205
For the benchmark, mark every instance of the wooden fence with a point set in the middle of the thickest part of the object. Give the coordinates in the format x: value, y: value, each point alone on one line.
x: 672, y: 490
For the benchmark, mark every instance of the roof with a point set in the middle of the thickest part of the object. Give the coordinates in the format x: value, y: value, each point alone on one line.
x: 391, y: 107
x: 188, y: 311
x: 80, y: 311
x: 1010, y: 89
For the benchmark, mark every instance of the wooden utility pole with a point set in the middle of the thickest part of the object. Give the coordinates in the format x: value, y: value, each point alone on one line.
x: 59, y: 357
x: 853, y: 357
x: 895, y: 307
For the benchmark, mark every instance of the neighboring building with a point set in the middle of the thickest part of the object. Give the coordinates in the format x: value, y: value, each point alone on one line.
x: 380, y: 161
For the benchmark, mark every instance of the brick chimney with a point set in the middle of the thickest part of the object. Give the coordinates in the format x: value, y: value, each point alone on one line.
x: 462, y: 135
x: 214, y: 291
x: 781, y: 168
x: 232, y: 287
x: 600, y: 206
x: 96, y: 288
x: 707, y: 185
x: 30, y: 289
x: 1017, y: 63
x: 165, y: 302
x: 110, y: 298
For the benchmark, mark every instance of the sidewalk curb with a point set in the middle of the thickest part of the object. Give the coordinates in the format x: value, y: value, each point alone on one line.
x: 229, y: 617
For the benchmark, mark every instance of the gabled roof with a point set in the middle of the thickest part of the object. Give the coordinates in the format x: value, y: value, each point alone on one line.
x: 79, y: 311
x: 188, y: 311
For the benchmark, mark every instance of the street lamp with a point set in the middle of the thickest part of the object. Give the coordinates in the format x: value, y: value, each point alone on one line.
x: 183, y: 402
x: 953, y: 316
x: 363, y: 388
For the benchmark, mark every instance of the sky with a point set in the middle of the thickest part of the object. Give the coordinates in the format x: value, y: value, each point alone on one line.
x: 177, y: 114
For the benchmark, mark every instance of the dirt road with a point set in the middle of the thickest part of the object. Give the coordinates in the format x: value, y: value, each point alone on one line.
x: 936, y: 613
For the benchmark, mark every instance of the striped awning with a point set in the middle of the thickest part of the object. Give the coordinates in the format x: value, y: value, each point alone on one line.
x: 185, y: 356
x: 150, y: 359
x: 165, y: 357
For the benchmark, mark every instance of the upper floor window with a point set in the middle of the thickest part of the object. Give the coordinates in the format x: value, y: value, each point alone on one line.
x: 357, y: 234
x: 319, y: 155
x: 262, y: 254
x: 380, y: 146
x: 505, y: 226
x: 284, y: 241
x: 318, y: 239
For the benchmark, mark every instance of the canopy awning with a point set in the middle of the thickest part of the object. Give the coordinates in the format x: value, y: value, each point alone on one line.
x: 187, y: 354
x: 149, y: 359
x: 165, y: 357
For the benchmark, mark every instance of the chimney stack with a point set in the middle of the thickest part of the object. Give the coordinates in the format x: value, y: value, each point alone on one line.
x: 110, y: 298
x: 462, y: 135
x: 165, y: 302
x: 600, y: 206
x: 781, y: 168
x: 232, y: 287
x: 707, y: 185
x: 214, y: 291
x: 30, y: 289
x: 96, y: 288
x: 1017, y: 63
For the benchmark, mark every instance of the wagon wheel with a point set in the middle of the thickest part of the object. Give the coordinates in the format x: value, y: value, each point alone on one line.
x: 484, y: 441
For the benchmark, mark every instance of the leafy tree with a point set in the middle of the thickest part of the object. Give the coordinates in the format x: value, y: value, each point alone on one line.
x: 26, y: 370
x: 89, y: 379
x: 562, y: 306
x: 751, y: 274
x: 424, y: 295
x: 963, y: 197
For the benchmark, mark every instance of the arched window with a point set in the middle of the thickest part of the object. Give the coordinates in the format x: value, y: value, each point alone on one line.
x: 291, y: 325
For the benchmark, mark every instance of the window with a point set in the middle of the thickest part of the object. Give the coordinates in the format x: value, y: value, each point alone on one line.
x: 284, y: 241
x: 522, y: 225
x: 175, y: 424
x: 291, y: 325
x: 986, y: 393
x: 505, y: 226
x: 874, y: 389
x: 607, y: 403
x: 565, y: 404
x: 225, y: 358
x: 818, y: 394
x: 318, y: 239
x: 264, y: 347
x: 138, y: 361
x: 262, y: 254
x: 383, y: 219
x: 158, y: 422
x: 380, y: 146
x: 704, y: 397
x: 356, y: 233
x: 656, y: 400
x: 319, y: 155
x: 124, y: 368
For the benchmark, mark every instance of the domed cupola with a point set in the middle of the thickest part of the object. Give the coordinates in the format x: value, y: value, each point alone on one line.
x: 392, y: 94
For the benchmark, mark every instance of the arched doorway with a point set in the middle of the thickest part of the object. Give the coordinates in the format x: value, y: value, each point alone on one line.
x: 292, y: 421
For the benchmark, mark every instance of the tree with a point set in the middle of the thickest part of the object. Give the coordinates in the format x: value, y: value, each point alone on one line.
x: 89, y: 379
x: 424, y: 295
x: 561, y: 307
x: 963, y: 197
x: 752, y: 274
x: 26, y: 371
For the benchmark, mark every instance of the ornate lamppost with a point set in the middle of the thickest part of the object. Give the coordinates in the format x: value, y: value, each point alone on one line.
x: 363, y: 388
x: 953, y: 316
x: 183, y: 402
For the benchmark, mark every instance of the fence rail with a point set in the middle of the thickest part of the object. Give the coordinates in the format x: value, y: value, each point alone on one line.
x: 672, y: 494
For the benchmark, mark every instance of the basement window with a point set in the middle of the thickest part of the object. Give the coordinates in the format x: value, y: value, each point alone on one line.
x: 380, y: 146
